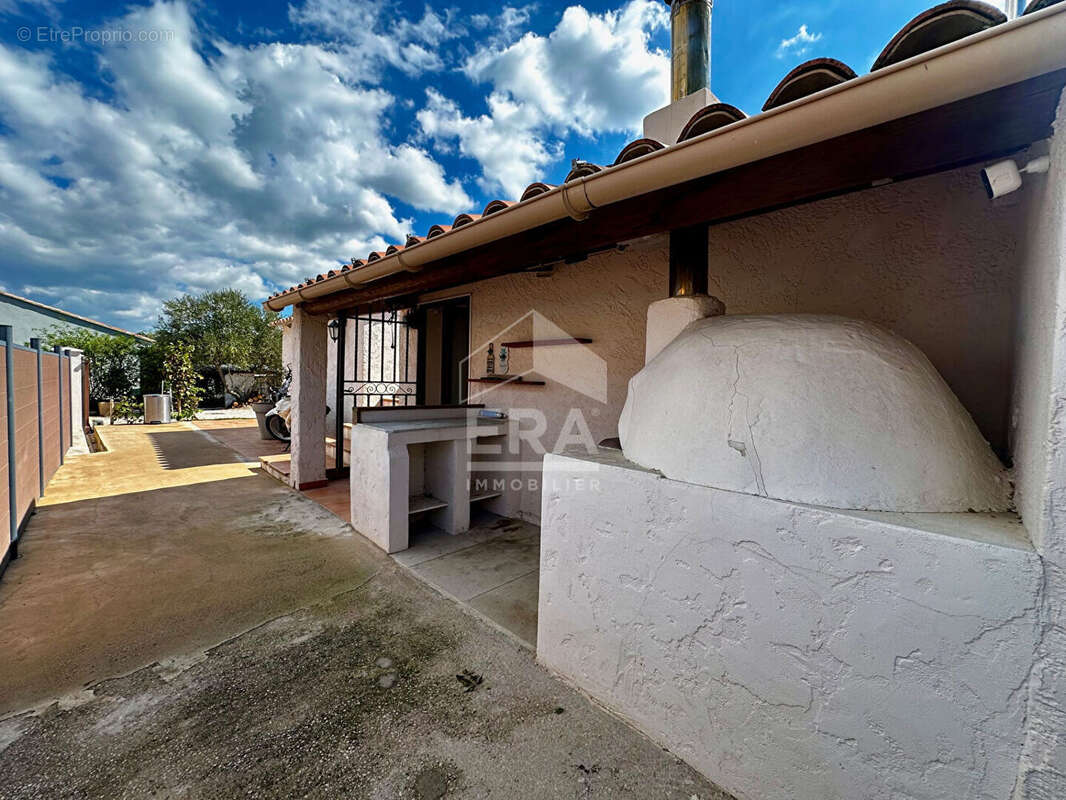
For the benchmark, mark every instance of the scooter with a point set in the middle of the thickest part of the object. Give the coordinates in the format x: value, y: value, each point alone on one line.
x: 277, y: 418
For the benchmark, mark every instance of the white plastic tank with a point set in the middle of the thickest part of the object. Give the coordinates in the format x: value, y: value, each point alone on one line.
x: 156, y: 408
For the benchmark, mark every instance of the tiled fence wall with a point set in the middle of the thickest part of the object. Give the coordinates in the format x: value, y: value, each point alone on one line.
x: 39, y: 415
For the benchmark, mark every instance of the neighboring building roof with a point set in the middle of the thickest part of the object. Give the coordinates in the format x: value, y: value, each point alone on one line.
x: 75, y: 319
x: 943, y: 26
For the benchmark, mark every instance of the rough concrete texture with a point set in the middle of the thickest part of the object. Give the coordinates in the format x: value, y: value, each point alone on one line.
x: 848, y: 655
x: 215, y: 652
x: 165, y: 543
x: 667, y: 318
x: 308, y: 393
x: 1039, y: 434
x: 813, y: 409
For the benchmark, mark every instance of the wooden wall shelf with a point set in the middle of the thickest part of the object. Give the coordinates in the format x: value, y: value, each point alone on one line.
x: 546, y: 342
x: 506, y: 379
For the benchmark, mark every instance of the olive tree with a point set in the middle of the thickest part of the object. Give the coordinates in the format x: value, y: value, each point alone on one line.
x: 223, y: 328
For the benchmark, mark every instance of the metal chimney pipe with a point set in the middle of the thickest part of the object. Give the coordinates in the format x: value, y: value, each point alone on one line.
x: 690, y: 47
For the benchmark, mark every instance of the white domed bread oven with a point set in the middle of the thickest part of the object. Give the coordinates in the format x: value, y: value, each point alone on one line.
x: 811, y: 409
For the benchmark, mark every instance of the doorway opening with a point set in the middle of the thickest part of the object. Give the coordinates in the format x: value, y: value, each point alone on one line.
x: 444, y: 347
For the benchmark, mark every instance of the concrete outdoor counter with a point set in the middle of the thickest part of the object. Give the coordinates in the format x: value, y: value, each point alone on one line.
x: 412, y: 466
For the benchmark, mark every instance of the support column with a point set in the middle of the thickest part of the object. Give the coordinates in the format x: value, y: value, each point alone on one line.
x: 59, y: 358
x: 688, y: 300
x: 339, y: 398
x: 8, y: 333
x: 308, y: 419
x: 36, y: 345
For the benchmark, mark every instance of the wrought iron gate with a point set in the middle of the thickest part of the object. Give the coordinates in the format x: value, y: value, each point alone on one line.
x: 385, y: 369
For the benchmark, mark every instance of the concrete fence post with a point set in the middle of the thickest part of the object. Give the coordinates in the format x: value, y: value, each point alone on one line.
x: 9, y: 389
x: 35, y: 343
x: 59, y: 353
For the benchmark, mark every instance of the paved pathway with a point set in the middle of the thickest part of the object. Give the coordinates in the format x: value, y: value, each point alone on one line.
x: 183, y: 626
x: 165, y: 543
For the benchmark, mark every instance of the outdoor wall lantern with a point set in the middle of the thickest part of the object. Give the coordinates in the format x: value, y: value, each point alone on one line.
x: 334, y: 329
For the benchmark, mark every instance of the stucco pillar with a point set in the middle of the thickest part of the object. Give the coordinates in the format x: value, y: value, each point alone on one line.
x: 308, y: 419
x: 667, y: 318
x: 1039, y: 434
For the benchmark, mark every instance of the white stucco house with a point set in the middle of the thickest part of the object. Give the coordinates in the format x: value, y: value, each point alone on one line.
x: 818, y: 549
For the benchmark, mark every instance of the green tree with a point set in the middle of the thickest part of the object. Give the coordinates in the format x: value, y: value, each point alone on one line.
x: 181, y: 378
x: 114, y: 361
x: 223, y: 328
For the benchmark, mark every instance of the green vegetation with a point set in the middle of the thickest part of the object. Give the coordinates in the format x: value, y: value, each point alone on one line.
x: 181, y: 378
x: 115, y: 360
x: 224, y: 329
x: 197, y: 339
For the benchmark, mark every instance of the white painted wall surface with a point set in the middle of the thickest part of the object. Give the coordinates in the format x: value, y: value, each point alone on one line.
x: 605, y: 299
x: 931, y: 259
x: 790, y: 652
x: 77, y: 377
x: 1038, y: 432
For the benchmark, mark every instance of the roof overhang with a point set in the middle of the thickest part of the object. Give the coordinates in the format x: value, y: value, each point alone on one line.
x: 981, y: 97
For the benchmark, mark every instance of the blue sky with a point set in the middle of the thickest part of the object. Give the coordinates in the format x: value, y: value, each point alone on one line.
x: 152, y: 149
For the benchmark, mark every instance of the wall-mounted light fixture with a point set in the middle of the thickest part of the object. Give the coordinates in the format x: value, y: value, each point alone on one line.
x: 334, y: 329
x: 1005, y: 177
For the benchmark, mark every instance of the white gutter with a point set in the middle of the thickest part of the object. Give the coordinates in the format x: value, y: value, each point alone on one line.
x: 1015, y: 51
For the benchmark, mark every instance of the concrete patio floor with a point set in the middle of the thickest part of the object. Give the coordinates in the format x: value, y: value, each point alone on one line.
x: 180, y: 625
x: 493, y: 569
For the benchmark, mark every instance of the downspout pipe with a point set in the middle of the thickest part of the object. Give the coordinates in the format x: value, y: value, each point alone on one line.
x: 979, y: 63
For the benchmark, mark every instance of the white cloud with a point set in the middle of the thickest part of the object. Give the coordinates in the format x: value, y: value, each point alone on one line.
x: 250, y: 168
x: 374, y: 35
x: 799, y: 44
x: 593, y: 73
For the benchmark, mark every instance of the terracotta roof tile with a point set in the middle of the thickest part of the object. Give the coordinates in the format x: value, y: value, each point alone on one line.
x: 709, y: 118
x: 464, y: 219
x: 941, y: 25
x: 535, y: 189
x: 806, y: 79
x: 636, y: 149
x: 1039, y: 5
x: 496, y: 205
x: 581, y: 169
x: 934, y: 28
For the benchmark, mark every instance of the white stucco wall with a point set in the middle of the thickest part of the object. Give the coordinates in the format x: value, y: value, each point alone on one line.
x: 931, y: 259
x: 77, y: 377
x: 790, y: 652
x: 604, y: 299
x: 1038, y: 432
